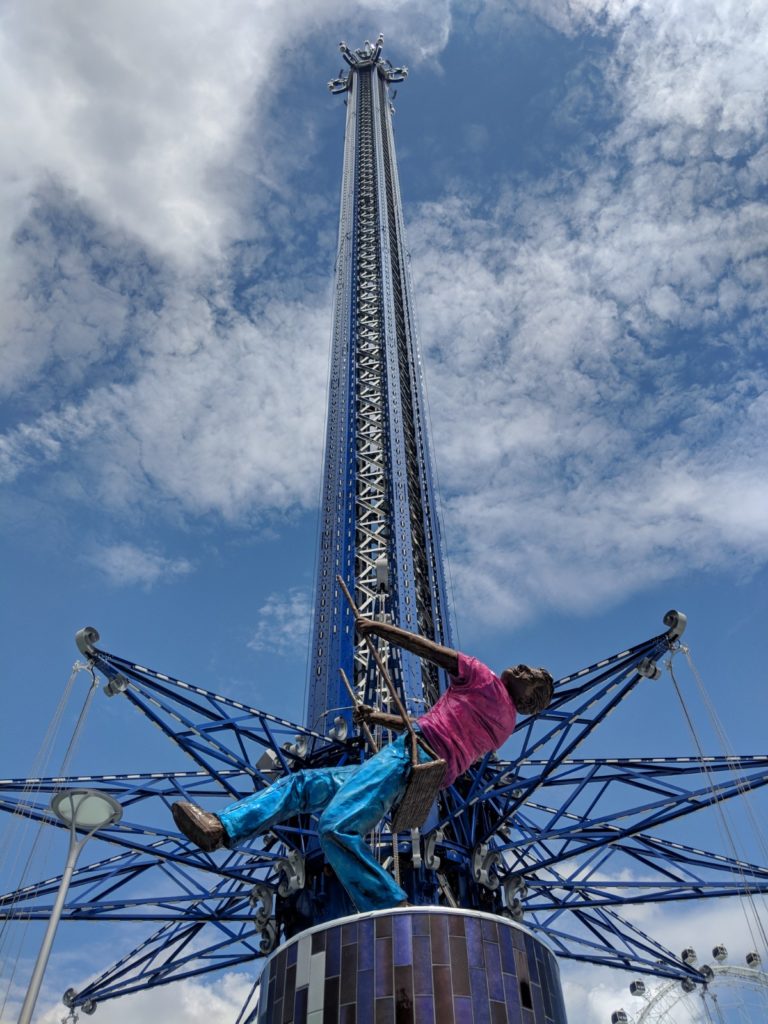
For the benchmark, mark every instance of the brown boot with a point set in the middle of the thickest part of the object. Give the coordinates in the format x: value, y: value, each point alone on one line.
x: 203, y: 828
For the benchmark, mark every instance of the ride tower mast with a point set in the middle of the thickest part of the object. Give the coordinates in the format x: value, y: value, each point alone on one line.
x: 379, y: 525
x: 379, y: 533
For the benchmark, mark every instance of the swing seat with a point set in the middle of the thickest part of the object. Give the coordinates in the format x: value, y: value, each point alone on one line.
x: 420, y: 793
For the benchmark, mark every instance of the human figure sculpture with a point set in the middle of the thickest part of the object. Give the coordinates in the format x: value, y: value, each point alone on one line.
x: 476, y: 714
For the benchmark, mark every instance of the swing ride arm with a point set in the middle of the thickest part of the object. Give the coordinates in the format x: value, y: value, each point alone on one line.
x: 566, y: 840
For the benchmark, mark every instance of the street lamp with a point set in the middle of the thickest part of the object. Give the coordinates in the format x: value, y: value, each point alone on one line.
x: 82, y: 810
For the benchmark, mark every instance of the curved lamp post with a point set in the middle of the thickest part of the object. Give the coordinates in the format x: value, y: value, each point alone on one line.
x: 82, y: 810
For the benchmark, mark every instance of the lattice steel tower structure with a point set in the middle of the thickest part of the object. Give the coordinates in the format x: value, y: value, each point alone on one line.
x: 379, y: 525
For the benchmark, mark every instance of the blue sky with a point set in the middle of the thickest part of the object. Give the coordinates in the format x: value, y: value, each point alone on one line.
x: 585, y: 199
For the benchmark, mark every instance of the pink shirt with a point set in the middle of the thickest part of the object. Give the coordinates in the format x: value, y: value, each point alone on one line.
x: 473, y: 716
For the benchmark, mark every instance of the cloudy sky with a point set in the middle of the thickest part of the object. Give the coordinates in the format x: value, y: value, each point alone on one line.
x: 585, y: 198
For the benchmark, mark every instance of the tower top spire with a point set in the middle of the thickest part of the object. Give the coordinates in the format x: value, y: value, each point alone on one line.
x: 367, y: 56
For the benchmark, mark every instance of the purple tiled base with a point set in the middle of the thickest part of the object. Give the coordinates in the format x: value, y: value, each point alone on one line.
x: 419, y: 965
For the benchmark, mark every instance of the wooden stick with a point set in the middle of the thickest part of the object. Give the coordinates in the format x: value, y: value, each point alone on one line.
x: 363, y: 725
x: 385, y: 675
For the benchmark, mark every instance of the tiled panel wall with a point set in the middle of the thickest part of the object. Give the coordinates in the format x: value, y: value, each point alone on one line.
x: 420, y: 966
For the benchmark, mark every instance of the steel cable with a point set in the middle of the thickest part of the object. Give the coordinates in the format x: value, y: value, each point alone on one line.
x: 724, y: 824
x: 42, y: 840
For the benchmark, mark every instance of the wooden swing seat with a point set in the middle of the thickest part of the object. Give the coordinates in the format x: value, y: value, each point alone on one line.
x: 420, y: 793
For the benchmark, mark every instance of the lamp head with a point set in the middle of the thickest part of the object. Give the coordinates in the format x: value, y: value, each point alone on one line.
x: 86, y: 808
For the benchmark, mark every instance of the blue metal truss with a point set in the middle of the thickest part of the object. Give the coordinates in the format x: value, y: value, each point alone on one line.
x: 379, y: 527
x: 564, y: 841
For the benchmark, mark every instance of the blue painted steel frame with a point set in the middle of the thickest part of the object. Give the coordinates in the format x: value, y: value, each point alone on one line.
x: 408, y: 469
x: 332, y: 641
x: 559, y: 854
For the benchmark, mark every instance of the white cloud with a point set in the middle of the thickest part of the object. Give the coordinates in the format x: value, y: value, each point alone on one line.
x: 144, y: 110
x: 225, y: 419
x: 283, y: 623
x: 126, y: 564
x: 595, y: 342
x: 593, y: 993
x: 185, y: 1002
x: 586, y: 451
x: 144, y: 144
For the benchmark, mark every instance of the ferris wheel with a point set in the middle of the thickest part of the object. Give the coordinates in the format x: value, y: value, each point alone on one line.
x: 731, y: 994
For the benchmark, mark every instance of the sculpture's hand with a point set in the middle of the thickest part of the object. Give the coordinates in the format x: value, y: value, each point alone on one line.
x: 362, y: 713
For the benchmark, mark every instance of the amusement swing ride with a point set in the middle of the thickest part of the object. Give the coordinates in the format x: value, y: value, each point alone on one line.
x: 564, y: 842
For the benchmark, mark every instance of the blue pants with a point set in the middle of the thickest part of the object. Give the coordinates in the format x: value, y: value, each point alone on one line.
x: 350, y: 801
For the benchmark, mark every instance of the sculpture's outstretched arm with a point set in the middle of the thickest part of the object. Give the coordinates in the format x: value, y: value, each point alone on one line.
x: 443, y: 657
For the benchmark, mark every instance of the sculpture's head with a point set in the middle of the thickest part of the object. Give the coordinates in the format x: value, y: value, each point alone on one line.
x: 531, y: 689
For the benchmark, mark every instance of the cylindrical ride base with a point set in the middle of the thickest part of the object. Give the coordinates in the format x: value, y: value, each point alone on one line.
x: 416, y: 965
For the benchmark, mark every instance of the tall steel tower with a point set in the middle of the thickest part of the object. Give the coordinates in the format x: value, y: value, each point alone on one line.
x: 379, y: 525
